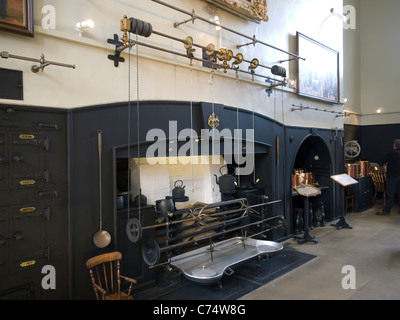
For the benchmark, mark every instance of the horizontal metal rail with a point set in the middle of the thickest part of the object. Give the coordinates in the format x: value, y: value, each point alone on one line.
x: 194, y: 17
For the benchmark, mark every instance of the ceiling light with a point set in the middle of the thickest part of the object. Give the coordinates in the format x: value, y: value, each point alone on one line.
x: 380, y: 110
x: 82, y: 26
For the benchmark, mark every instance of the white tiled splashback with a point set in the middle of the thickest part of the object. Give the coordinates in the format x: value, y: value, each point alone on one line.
x: 157, y: 180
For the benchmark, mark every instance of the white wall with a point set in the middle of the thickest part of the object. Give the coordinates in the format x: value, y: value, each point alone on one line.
x: 352, y: 67
x: 163, y: 76
x: 372, y: 61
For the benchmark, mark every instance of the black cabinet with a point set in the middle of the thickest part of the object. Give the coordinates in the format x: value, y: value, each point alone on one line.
x: 33, y: 201
x: 363, y: 193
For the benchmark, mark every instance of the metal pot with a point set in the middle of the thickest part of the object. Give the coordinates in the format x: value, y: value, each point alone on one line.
x: 165, y: 205
x: 353, y: 170
x: 227, y: 183
x: 364, y: 168
x: 179, y: 191
x: 140, y: 200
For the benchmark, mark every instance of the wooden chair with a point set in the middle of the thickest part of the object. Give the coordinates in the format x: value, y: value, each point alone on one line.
x: 379, y: 179
x: 105, y: 276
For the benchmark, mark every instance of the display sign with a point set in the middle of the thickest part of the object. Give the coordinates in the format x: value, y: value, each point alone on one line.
x: 344, y: 179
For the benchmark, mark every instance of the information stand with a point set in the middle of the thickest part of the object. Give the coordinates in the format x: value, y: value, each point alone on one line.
x: 344, y: 180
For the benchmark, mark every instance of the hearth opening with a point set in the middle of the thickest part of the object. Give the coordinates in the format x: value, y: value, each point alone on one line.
x: 179, y: 203
x: 312, y: 166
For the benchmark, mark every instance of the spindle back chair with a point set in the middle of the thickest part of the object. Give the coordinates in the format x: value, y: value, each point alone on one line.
x: 379, y: 179
x: 106, y: 278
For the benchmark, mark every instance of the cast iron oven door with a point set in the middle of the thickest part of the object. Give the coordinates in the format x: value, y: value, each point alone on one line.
x: 27, y: 163
x: 22, y: 238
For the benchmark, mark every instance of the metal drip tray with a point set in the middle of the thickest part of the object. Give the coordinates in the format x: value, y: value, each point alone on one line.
x: 208, y: 264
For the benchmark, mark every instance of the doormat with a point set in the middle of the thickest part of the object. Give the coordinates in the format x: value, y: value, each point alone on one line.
x: 246, y: 278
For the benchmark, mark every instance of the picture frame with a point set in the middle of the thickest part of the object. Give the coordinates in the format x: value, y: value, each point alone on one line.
x: 253, y: 10
x: 318, y: 74
x: 17, y: 16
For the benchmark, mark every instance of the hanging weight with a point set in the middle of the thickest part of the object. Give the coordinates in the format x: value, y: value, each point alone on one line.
x: 141, y: 28
x: 134, y: 230
x: 145, y: 29
x: 278, y: 71
x: 151, y: 252
x: 133, y: 25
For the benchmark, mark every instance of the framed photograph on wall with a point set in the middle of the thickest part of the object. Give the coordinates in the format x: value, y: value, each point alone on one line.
x: 17, y: 16
x: 318, y: 75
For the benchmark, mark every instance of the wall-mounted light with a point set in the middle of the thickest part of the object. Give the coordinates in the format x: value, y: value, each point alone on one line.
x: 82, y: 26
x: 379, y: 111
x: 216, y: 21
x: 339, y: 15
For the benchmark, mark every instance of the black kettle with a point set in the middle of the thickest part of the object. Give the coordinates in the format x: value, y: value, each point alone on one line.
x: 179, y: 191
x: 227, y: 182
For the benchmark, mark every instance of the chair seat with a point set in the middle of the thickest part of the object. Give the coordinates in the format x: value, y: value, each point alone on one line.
x: 118, y: 296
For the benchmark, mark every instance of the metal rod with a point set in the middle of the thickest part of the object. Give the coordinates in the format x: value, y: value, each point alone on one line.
x: 6, y: 55
x: 200, y: 46
x: 217, y: 234
x: 194, y: 16
x: 301, y: 108
x: 218, y: 66
x: 193, y: 210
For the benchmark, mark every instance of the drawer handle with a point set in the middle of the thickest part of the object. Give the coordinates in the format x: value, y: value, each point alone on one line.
x: 19, y: 236
x: 26, y: 137
x: 27, y: 210
x: 27, y: 182
x: 48, y: 194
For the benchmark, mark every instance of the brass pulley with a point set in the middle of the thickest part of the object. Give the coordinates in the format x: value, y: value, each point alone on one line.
x: 254, y: 64
x: 188, y: 44
x: 210, y: 49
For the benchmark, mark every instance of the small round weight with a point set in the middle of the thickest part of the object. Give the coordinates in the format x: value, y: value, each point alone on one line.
x: 133, y: 25
x: 134, y: 230
x: 151, y: 252
x: 139, y: 27
x: 145, y: 29
x: 150, y: 31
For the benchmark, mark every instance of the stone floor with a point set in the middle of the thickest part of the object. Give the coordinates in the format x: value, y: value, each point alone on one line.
x: 372, y: 247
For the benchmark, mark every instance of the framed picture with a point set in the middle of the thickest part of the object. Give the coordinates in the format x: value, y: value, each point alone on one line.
x: 318, y: 75
x: 17, y: 16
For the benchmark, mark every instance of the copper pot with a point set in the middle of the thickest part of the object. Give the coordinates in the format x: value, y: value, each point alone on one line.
x: 309, y: 178
x: 353, y: 170
x: 364, y: 168
x: 303, y: 178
